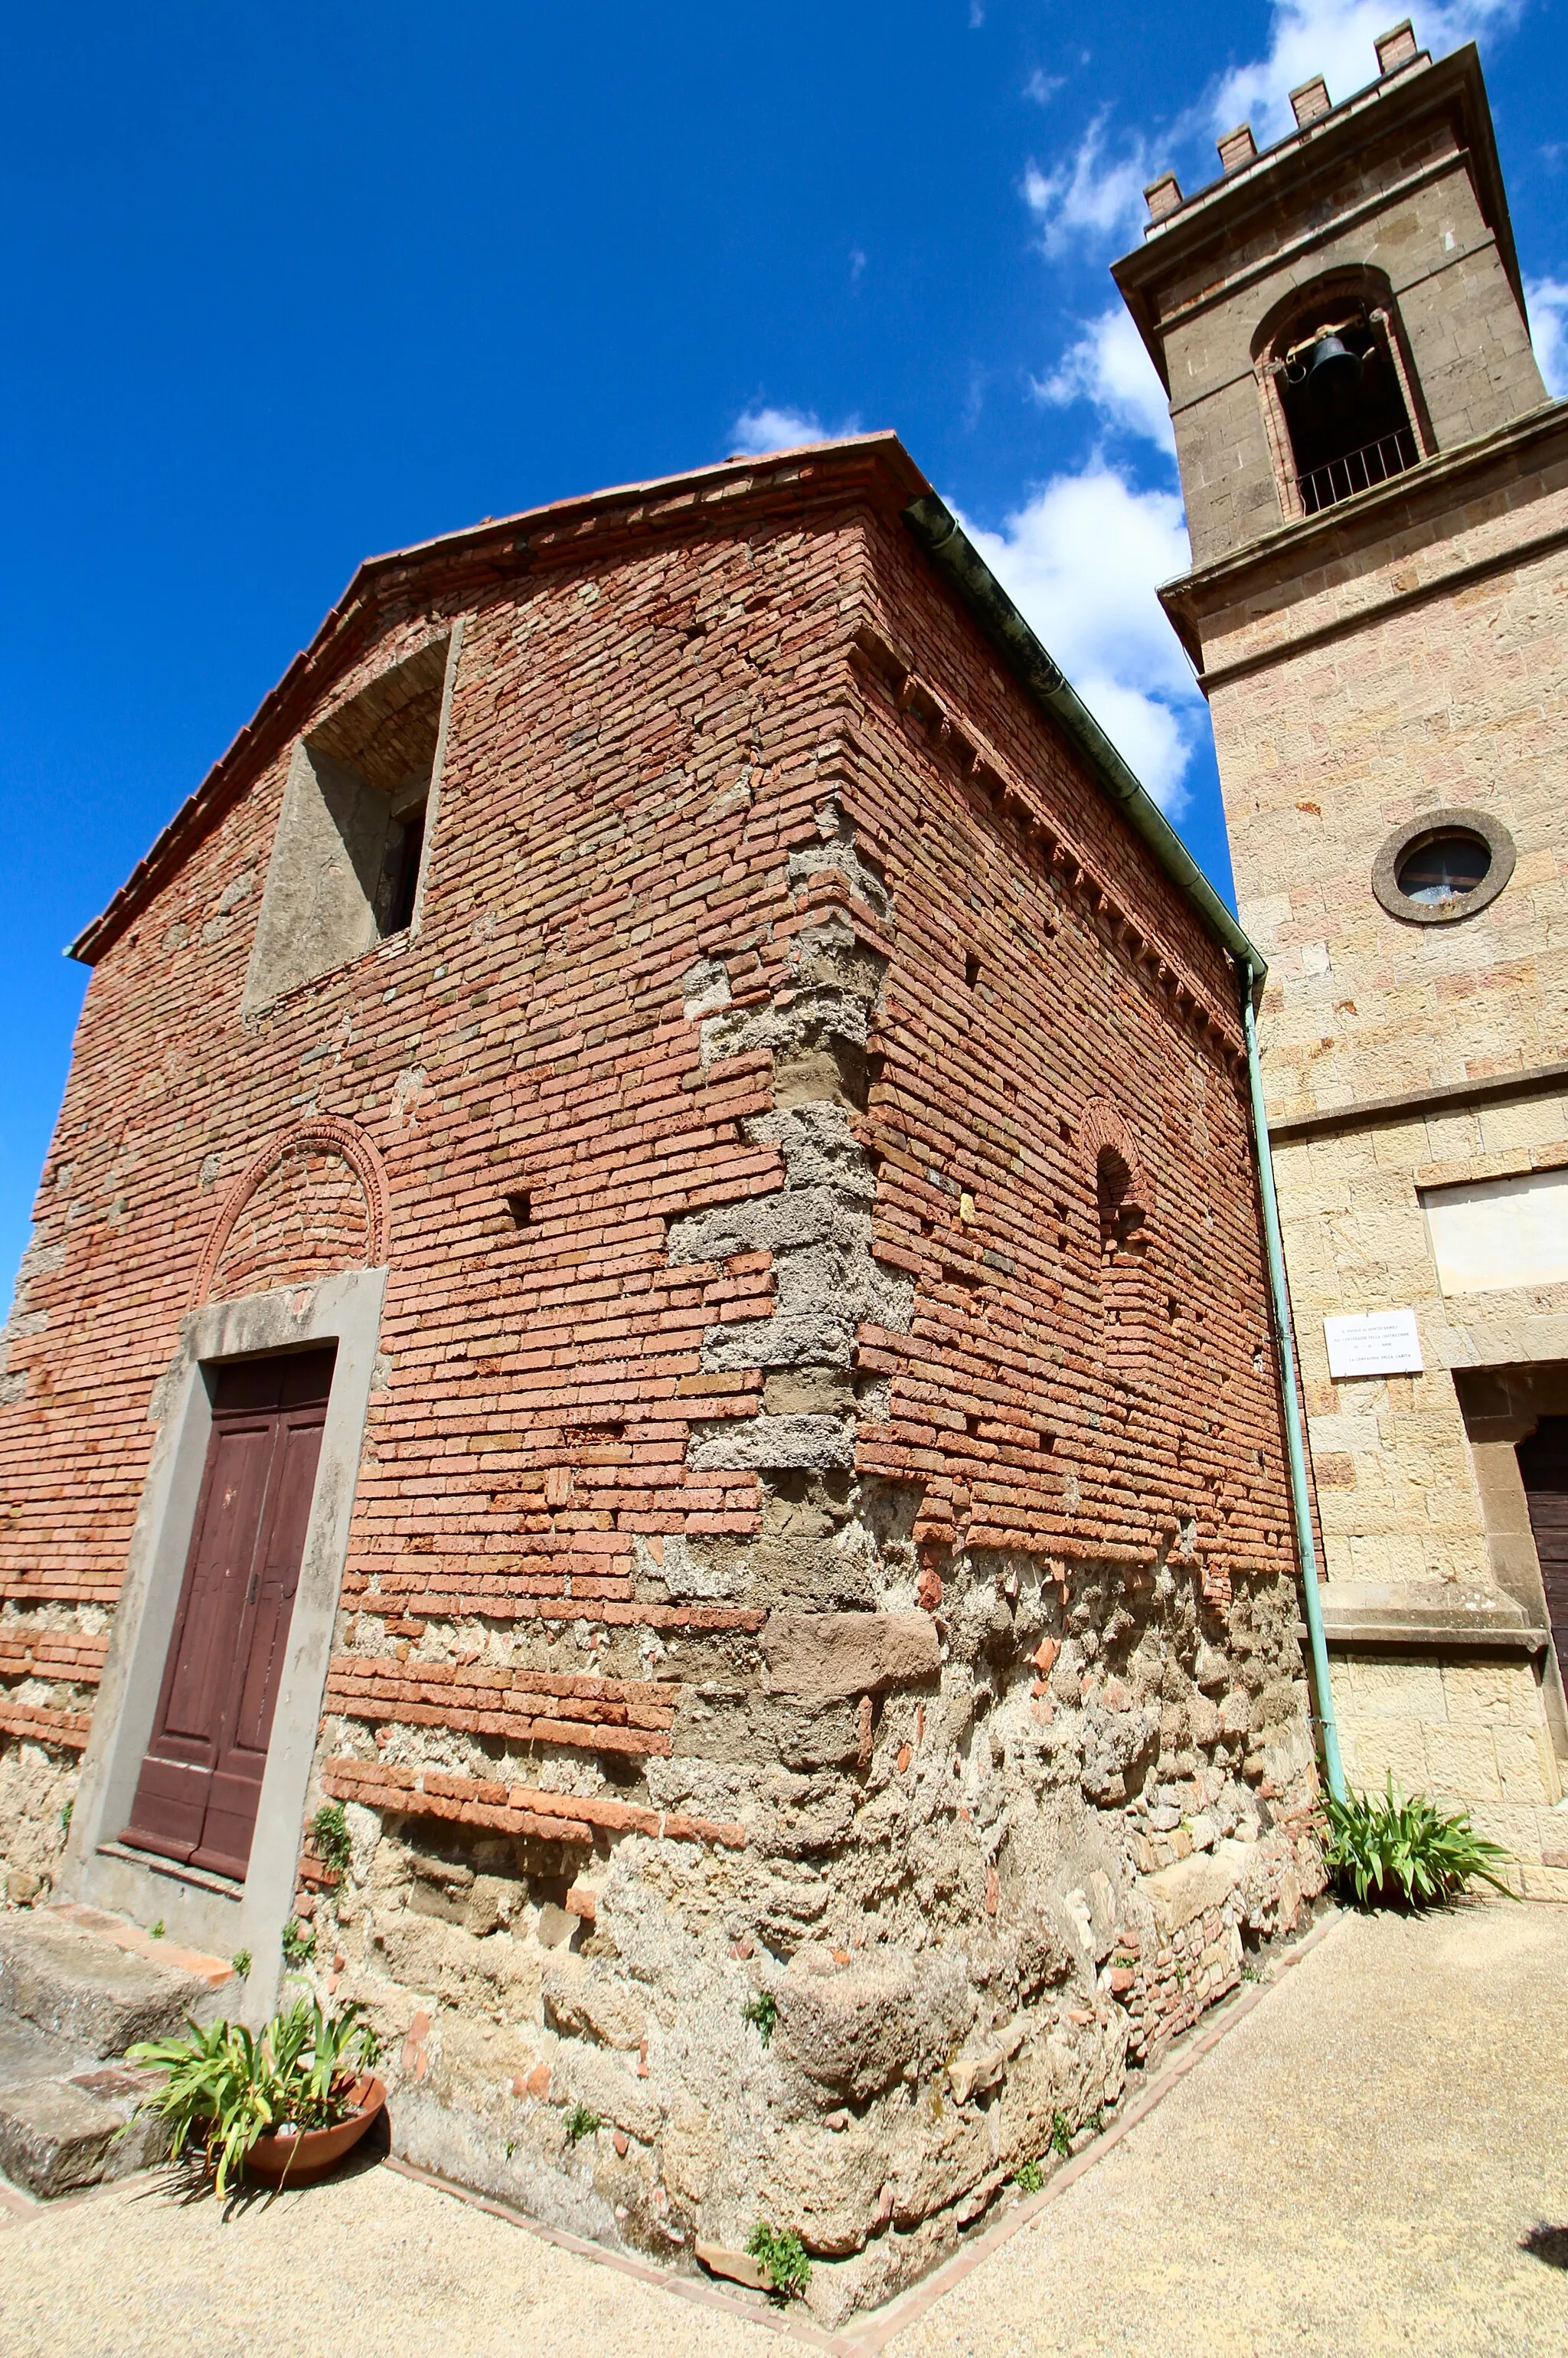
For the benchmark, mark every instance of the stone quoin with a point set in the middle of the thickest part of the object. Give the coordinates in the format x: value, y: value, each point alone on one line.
x: 663, y: 1017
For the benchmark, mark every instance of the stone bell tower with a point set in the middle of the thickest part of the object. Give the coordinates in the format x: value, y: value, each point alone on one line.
x: 1377, y: 491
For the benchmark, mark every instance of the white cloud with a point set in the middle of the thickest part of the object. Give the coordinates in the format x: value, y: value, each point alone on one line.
x: 1334, y: 39
x: 1082, y: 560
x: 1109, y: 367
x: 1042, y: 87
x: 1089, y: 199
x: 1547, y: 301
x: 757, y: 432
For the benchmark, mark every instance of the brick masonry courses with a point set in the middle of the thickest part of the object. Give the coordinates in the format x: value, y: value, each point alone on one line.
x: 804, y: 1550
x: 1402, y: 652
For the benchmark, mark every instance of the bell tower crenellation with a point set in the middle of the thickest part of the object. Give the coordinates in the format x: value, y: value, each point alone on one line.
x: 1381, y: 223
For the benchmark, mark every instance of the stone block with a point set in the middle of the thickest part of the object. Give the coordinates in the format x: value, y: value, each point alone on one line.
x: 1187, y: 1890
x: 1481, y: 1694
x: 817, y: 1656
x: 1527, y: 1770
x: 81, y: 1987
x: 57, y: 2136
x: 1463, y: 1768
x: 856, y: 2031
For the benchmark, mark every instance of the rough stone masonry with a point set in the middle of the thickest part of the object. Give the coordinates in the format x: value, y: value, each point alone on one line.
x: 811, y: 1672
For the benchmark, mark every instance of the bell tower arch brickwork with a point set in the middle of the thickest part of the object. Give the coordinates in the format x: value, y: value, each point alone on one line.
x: 1387, y: 667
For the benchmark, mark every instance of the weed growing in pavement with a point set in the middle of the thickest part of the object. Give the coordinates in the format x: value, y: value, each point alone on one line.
x: 1029, y: 2179
x: 1061, y: 2135
x: 581, y: 2123
x: 1396, y: 1853
x: 155, y: 1929
x: 241, y: 1960
x: 781, y: 2259
x: 763, y: 2011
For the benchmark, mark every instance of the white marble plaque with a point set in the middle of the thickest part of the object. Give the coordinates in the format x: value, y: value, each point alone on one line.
x: 1373, y: 1343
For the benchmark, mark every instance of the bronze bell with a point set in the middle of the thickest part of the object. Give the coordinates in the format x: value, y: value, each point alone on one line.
x: 1333, y: 379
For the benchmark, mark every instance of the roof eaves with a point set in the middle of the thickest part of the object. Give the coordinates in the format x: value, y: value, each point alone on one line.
x: 942, y: 536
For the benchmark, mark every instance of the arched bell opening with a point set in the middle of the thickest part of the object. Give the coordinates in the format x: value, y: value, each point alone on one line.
x: 1345, y: 400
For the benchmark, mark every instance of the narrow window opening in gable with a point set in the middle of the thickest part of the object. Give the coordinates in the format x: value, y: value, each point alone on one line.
x: 348, y: 857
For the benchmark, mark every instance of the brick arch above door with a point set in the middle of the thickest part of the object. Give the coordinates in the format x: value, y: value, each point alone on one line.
x: 313, y: 1203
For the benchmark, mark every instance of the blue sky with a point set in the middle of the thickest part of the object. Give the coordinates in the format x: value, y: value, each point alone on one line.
x: 286, y: 286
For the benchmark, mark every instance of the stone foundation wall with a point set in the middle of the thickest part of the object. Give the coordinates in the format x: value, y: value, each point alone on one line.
x: 956, y: 1934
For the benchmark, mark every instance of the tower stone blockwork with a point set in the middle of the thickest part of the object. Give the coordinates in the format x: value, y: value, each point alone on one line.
x: 1376, y: 488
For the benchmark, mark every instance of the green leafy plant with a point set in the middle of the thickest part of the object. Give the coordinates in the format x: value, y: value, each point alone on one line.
x: 330, y: 1830
x: 1097, y: 2120
x: 1390, y: 1850
x: 65, y: 1809
x: 299, y: 1943
x: 1061, y: 2135
x: 1029, y: 2179
x: 781, y: 2259
x: 242, y: 1962
x: 155, y: 1929
x: 227, y: 2086
x: 581, y: 2123
x: 763, y: 2011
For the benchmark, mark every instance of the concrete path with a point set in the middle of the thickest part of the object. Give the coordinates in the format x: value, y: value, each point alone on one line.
x: 1353, y: 2167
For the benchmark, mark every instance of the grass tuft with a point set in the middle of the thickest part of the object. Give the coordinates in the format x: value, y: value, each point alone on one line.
x: 1393, y: 1852
x: 781, y: 2259
x: 330, y: 1830
x: 763, y: 2011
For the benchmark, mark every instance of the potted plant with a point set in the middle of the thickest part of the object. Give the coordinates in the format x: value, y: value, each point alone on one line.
x: 284, y: 2103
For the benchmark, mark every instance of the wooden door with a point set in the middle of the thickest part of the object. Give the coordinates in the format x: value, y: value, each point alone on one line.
x: 1543, y: 1462
x: 201, y: 1781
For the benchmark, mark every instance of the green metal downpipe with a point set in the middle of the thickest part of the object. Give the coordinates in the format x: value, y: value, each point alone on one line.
x: 1295, y: 1453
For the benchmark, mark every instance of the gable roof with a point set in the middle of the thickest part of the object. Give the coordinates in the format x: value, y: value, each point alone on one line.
x: 787, y: 482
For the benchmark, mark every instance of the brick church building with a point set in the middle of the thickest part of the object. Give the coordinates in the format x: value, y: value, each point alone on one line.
x: 650, y: 1278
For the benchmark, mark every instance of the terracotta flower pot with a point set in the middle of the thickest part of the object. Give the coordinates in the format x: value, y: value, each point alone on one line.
x: 300, y: 2160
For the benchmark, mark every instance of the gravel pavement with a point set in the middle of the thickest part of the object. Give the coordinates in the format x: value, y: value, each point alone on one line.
x: 1352, y: 2168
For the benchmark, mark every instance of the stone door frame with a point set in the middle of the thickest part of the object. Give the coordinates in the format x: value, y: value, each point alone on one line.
x: 204, y: 1910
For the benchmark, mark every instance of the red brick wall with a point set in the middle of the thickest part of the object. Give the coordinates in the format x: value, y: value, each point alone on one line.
x: 1021, y: 1009
x: 635, y: 745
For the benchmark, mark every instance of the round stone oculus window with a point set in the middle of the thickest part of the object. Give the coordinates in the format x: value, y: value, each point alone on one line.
x: 1448, y: 864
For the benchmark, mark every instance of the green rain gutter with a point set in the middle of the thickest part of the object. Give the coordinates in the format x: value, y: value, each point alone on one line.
x: 939, y: 532
x: 1295, y: 1452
